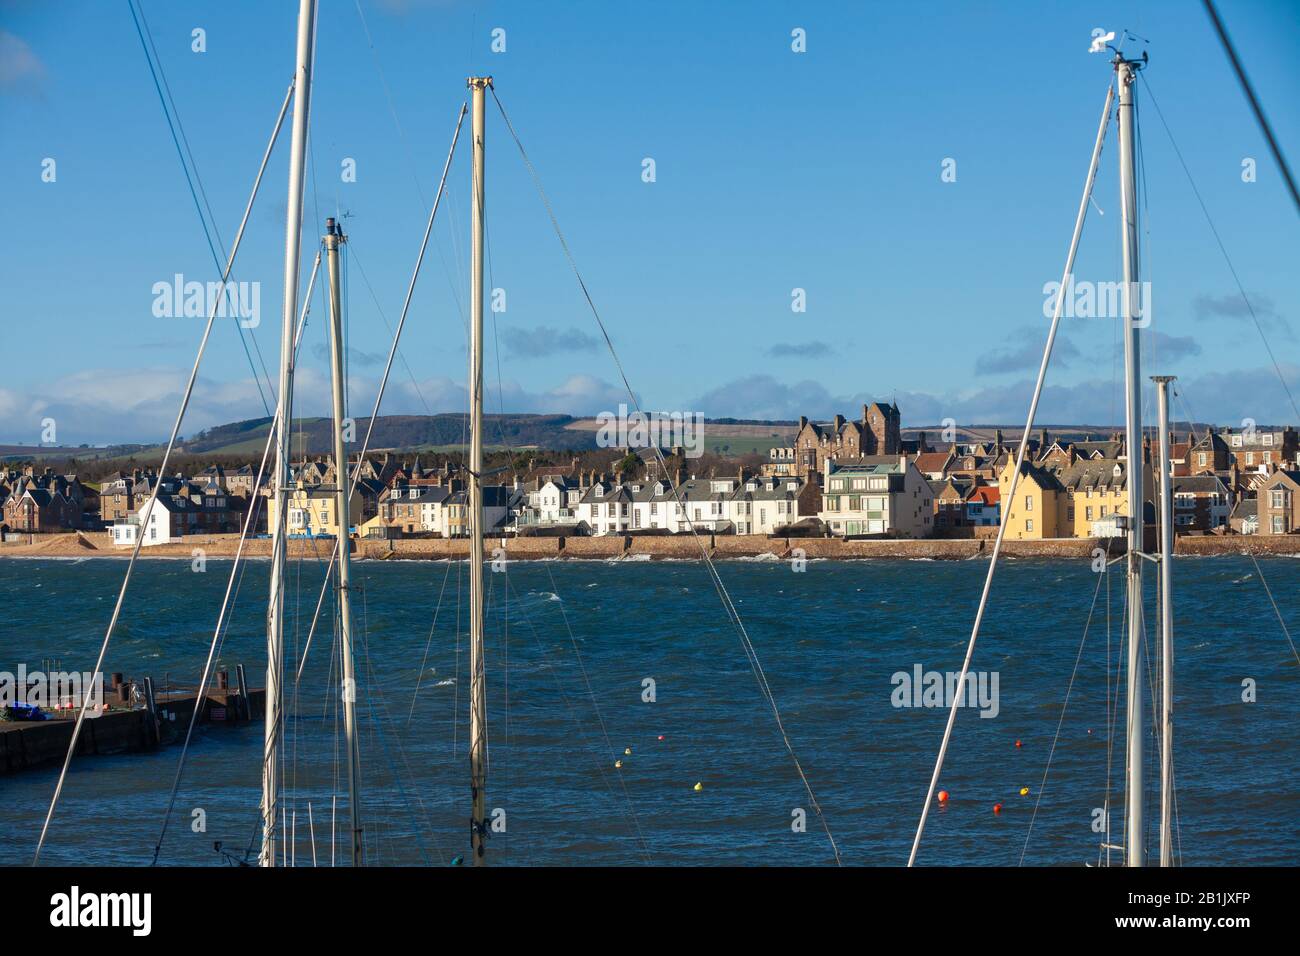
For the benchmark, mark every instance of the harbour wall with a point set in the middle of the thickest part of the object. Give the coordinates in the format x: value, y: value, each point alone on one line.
x: 25, y: 744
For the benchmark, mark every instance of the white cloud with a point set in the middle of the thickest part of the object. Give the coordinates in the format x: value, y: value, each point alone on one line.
x: 1216, y: 396
x: 20, y: 68
x: 110, y: 406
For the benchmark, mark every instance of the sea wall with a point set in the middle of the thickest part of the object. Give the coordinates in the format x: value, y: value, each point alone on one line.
x: 654, y: 546
x: 1263, y: 544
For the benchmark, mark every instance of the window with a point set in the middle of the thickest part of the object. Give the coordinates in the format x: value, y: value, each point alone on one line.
x: 1029, y: 524
x: 1200, y: 459
x: 1277, y: 525
x: 1268, y: 439
x: 1087, y: 512
x: 1279, y: 499
x: 1250, y: 458
x: 1029, y: 502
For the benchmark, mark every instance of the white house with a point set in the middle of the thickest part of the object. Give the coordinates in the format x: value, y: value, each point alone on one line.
x: 705, y: 504
x: 606, y: 507
x: 761, y: 505
x: 167, y: 520
x: 554, y: 503
x: 879, y: 494
x: 430, y: 503
x: 125, y: 533
x: 756, y: 505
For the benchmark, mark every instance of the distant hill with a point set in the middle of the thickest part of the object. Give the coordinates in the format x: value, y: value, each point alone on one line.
x: 398, y: 433
x: 245, y: 440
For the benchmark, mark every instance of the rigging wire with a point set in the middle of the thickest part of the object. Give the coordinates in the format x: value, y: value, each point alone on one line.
x: 1080, y: 218
x: 157, y: 488
x: 1259, y: 571
x: 1209, y: 220
x: 223, y: 619
x: 410, y: 290
x: 591, y: 694
x: 424, y: 661
x: 602, y: 760
x: 181, y: 142
x: 1254, y: 102
x: 376, y: 723
x: 1061, y: 720
x: 393, y: 349
x: 730, y: 608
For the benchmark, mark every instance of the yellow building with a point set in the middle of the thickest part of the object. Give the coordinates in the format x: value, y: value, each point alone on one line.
x: 1033, y: 513
x: 1079, y: 498
x: 1094, y: 494
x: 312, y: 511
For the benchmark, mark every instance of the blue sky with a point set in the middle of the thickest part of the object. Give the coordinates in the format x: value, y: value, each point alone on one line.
x: 774, y: 170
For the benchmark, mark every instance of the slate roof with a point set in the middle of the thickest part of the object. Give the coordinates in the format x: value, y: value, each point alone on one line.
x: 1199, y: 484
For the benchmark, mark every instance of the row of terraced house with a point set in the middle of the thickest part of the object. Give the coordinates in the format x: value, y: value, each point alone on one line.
x: 846, y: 478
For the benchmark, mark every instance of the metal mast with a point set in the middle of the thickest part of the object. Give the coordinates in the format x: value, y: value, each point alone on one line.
x: 283, y: 421
x: 1126, y: 74
x: 1166, y: 626
x: 342, y: 488
x: 477, y: 689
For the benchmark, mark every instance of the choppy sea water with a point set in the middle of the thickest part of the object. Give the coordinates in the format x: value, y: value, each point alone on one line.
x: 569, y: 650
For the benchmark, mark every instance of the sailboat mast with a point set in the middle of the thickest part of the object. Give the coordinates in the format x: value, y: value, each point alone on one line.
x: 283, y: 420
x: 477, y: 688
x: 1126, y: 74
x: 1166, y: 627
x: 342, y: 486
